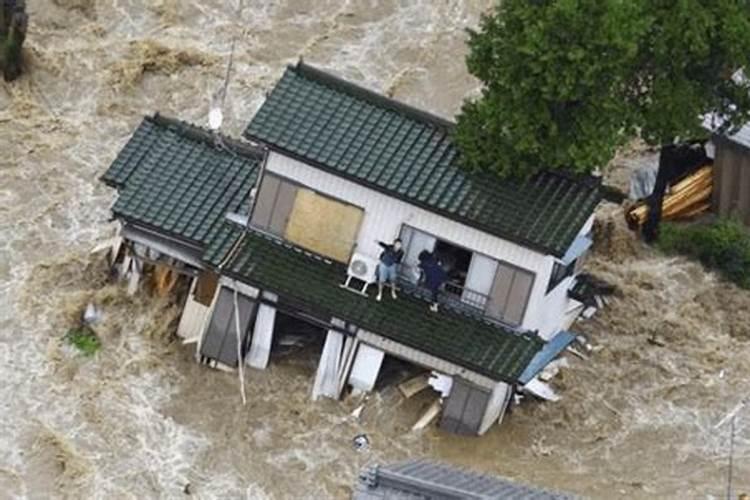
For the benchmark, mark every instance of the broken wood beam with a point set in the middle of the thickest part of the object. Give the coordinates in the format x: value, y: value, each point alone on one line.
x: 414, y: 385
x: 429, y: 415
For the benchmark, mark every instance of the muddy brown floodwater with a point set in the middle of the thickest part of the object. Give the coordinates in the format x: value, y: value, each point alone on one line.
x: 141, y: 419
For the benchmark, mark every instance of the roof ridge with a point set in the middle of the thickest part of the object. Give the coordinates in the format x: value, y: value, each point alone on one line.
x: 208, y: 137
x: 363, y: 93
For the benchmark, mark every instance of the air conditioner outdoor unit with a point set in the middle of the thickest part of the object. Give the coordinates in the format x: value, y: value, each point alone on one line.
x: 361, y: 267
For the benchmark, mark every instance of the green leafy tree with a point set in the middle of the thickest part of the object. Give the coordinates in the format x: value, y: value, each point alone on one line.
x: 567, y: 82
x: 13, y: 24
x: 690, y: 63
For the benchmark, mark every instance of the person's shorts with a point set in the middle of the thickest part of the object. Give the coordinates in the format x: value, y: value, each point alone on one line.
x: 386, y: 273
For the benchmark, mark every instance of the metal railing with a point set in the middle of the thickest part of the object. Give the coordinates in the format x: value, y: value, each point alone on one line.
x: 452, y: 294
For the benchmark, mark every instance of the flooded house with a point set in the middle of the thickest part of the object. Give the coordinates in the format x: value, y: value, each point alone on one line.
x: 288, y: 223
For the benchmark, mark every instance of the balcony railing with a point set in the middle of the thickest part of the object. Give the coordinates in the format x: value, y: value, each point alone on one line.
x: 452, y: 295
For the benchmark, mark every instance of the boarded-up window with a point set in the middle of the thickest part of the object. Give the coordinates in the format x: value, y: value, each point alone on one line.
x: 324, y: 225
x: 306, y: 218
x: 510, y: 293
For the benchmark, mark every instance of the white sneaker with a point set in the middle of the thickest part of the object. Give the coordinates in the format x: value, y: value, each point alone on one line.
x: 379, y: 297
x: 393, y: 294
x: 434, y: 308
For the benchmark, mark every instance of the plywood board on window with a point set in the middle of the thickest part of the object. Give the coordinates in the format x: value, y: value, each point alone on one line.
x: 324, y: 225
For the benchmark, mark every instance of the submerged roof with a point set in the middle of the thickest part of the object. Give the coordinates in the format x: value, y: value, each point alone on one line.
x: 404, y: 152
x: 180, y: 179
x: 311, y: 284
x: 421, y: 479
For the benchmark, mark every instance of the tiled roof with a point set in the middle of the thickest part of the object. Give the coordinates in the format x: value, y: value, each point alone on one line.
x: 425, y: 479
x: 407, y: 153
x: 180, y: 179
x: 311, y: 284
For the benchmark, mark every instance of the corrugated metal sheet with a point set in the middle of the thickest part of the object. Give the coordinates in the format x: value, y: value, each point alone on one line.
x: 551, y: 349
x: 430, y: 480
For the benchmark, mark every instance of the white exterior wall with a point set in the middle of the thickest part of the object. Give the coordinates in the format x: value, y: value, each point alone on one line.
x: 384, y: 216
x: 556, y: 304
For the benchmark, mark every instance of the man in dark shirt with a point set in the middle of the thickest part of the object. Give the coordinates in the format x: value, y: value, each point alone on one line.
x: 387, y: 270
x: 434, y: 276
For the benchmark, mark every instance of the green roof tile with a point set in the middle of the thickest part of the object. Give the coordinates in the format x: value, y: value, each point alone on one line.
x: 271, y: 265
x: 407, y: 153
x: 181, y: 179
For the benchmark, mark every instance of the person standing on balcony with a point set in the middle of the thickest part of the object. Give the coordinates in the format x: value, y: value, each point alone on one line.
x: 387, y: 270
x: 434, y: 276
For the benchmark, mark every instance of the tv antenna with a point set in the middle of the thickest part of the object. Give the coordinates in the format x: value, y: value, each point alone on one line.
x: 216, y: 113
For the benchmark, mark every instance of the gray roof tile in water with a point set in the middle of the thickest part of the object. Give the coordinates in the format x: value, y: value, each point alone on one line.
x: 422, y: 479
x: 409, y: 154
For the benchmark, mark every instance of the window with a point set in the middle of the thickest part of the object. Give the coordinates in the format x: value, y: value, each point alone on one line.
x: 498, y: 289
x: 510, y: 293
x: 456, y: 261
x: 559, y: 273
x: 306, y: 218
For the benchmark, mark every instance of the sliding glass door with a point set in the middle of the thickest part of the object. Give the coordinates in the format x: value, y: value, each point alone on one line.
x: 476, y: 281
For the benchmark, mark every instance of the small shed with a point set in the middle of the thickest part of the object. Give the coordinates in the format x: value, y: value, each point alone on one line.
x: 731, y: 195
x: 422, y: 479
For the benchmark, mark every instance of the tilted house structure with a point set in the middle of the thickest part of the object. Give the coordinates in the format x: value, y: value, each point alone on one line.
x: 334, y: 168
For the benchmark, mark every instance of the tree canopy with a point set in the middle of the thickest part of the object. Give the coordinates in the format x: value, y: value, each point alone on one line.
x: 567, y: 82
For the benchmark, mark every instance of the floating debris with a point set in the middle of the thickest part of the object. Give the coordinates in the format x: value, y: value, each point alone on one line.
x: 361, y: 442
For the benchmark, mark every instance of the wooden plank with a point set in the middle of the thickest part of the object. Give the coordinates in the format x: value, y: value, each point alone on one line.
x: 717, y: 176
x: 414, y: 385
x: 205, y: 287
x: 743, y: 202
x: 729, y: 179
x: 432, y: 412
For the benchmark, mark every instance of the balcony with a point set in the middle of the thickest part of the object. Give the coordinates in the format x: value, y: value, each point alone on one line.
x: 453, y: 295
